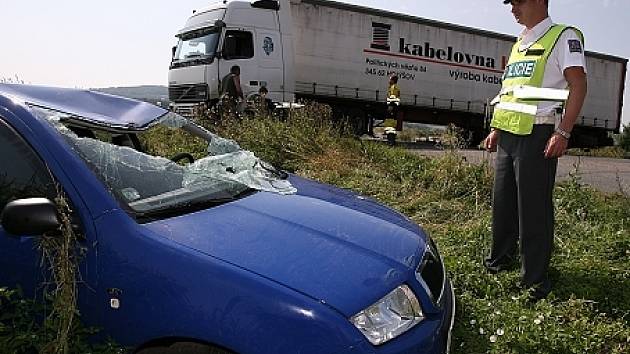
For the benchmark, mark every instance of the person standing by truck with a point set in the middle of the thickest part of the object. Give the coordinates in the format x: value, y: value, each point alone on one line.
x: 265, y: 104
x: 529, y: 136
x: 231, y: 92
x: 393, y: 101
x: 393, y: 97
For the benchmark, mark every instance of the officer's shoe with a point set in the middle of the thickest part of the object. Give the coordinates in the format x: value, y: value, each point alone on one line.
x: 494, y: 267
x: 536, y: 293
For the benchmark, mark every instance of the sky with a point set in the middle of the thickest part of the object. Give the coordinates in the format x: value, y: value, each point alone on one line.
x: 78, y: 43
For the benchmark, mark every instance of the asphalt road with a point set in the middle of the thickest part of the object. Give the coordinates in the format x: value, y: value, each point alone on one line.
x: 605, y: 174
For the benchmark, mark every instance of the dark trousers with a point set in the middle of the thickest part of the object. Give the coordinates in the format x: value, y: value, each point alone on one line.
x: 522, y: 205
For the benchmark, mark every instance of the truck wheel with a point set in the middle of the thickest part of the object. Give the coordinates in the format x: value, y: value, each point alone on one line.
x: 476, y: 138
x: 359, y: 122
x: 184, y: 348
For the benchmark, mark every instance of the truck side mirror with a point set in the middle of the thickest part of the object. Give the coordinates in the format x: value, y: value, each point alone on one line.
x: 173, y: 50
x: 31, y: 216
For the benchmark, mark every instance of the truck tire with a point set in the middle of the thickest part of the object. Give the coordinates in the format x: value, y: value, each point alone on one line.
x: 583, y: 140
x: 476, y: 138
x: 358, y: 121
x: 184, y: 348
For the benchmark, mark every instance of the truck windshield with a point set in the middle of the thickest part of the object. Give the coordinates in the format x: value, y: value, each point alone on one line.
x: 173, y: 167
x: 197, y: 47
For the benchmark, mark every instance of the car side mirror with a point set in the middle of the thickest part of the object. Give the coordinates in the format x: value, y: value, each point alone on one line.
x: 31, y: 216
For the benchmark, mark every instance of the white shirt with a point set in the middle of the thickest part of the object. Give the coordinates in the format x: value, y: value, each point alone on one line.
x: 565, y: 54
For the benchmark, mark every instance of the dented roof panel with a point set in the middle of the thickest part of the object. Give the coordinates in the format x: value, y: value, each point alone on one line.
x: 90, y: 106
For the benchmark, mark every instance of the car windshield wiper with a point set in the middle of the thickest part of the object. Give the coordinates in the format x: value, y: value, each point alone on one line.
x: 178, y: 209
x: 188, y: 206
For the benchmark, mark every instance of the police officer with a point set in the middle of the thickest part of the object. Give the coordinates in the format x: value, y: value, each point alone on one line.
x: 530, y: 133
x: 393, y: 101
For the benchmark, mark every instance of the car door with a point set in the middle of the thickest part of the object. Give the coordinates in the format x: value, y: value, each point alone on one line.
x: 22, y: 175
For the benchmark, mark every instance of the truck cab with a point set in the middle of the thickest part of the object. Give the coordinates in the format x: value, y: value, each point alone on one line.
x: 254, y: 35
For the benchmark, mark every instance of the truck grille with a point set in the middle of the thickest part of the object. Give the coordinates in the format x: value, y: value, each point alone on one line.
x: 188, y: 93
x: 430, y: 273
x: 187, y: 111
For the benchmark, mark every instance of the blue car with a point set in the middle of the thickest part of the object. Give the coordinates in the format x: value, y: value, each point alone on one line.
x: 219, y: 253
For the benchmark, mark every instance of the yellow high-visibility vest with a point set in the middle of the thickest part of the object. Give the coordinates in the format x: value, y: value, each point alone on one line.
x: 393, y: 91
x: 525, y: 70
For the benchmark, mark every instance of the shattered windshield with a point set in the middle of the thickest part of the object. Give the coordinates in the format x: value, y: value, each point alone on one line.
x: 200, y: 169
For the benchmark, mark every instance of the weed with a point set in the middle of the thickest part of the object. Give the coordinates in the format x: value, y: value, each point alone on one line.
x: 615, y: 152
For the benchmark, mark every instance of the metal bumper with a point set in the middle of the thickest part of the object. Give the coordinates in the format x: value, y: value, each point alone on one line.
x: 187, y: 110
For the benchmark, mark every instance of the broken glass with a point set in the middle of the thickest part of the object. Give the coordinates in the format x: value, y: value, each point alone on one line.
x: 147, y: 183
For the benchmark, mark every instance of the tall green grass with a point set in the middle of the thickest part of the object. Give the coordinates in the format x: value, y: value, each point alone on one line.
x: 589, y: 308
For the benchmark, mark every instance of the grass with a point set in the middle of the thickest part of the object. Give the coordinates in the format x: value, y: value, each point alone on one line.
x: 589, y: 308
x: 615, y: 152
x: 23, y: 332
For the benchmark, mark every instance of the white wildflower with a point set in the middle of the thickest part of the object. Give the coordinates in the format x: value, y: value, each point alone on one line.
x: 493, y: 338
x: 500, y: 331
x: 481, y: 330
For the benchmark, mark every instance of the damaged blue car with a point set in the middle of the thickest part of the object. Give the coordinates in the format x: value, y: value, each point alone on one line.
x: 220, y: 253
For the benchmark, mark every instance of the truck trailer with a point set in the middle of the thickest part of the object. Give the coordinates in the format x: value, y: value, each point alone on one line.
x: 343, y: 55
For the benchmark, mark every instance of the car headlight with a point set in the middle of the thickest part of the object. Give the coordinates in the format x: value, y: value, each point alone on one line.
x: 389, y: 317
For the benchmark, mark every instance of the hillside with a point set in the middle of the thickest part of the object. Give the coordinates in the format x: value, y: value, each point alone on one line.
x: 148, y: 93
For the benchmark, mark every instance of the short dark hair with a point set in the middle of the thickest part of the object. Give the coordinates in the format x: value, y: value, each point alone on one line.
x: 510, y: 1
x: 263, y: 89
x: 394, y: 78
x: 236, y: 70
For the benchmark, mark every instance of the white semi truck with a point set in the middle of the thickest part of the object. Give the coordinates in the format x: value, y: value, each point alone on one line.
x: 343, y: 54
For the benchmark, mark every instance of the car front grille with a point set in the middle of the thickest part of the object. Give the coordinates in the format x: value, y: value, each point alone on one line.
x: 430, y: 273
x: 188, y: 93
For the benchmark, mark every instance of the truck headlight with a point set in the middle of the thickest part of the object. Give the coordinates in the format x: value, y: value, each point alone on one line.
x: 389, y: 317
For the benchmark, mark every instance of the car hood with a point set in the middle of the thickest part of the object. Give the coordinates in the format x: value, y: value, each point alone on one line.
x: 324, y: 242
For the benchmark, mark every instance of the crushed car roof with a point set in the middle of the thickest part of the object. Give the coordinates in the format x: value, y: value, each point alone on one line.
x: 89, y: 106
